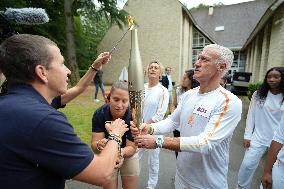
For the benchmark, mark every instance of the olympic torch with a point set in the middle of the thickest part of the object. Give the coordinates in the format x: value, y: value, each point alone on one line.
x: 136, y: 81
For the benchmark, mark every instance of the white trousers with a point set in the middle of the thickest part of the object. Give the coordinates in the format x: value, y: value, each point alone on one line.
x: 278, y: 175
x: 153, y: 163
x: 250, y: 162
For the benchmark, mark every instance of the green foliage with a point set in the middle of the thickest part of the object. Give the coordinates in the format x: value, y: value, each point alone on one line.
x: 252, y: 87
x: 79, y: 113
x: 87, y: 40
x: 200, y: 6
x: 82, y: 72
x: 91, y: 22
x: 220, y: 4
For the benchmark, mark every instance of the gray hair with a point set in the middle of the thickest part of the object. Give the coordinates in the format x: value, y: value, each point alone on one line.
x: 225, y: 55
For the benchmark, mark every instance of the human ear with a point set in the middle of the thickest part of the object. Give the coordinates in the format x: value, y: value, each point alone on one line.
x: 41, y: 73
x: 222, y: 67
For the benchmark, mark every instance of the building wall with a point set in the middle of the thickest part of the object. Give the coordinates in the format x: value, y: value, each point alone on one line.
x: 159, y: 34
x: 276, y: 50
x: 186, y: 45
x: 266, y: 50
x: 248, y: 62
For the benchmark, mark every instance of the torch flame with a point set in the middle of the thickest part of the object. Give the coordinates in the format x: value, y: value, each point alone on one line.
x: 130, y: 27
x: 130, y: 23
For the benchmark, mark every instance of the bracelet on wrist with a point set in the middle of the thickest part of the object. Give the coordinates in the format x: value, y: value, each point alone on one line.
x: 94, y: 68
x: 117, y: 139
x: 151, y: 130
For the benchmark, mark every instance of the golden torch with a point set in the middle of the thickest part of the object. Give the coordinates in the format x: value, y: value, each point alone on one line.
x: 135, y: 79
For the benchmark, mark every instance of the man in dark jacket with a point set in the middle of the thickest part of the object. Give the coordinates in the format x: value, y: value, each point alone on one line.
x: 98, y: 81
x: 168, y: 83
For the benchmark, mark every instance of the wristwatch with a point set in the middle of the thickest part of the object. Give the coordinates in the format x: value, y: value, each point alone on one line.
x: 159, y: 141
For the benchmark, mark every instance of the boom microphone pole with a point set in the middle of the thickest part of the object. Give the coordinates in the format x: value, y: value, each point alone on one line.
x: 21, y: 16
x: 25, y: 16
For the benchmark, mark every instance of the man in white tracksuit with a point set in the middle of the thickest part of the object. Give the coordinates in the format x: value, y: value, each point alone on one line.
x: 207, y: 117
x: 275, y: 176
x: 155, y: 106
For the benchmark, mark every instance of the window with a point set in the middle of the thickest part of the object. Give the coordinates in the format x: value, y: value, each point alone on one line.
x: 195, y: 53
x: 239, y: 61
x: 198, y: 42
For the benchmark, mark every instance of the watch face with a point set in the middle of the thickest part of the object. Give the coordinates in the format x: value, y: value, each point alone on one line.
x: 159, y: 141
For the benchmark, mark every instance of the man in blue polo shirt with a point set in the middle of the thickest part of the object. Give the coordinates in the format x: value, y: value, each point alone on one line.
x: 38, y: 146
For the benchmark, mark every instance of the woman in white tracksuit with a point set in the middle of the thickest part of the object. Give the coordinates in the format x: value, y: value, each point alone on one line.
x: 263, y: 119
x: 155, y: 106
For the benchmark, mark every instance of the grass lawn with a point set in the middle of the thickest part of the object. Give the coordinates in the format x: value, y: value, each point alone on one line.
x: 79, y: 112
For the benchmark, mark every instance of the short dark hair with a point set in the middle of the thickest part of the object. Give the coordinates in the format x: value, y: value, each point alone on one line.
x: 194, y: 82
x: 21, y: 53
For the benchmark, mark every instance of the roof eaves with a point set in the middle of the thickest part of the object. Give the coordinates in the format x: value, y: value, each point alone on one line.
x: 196, y: 25
x: 262, y: 21
x: 235, y: 48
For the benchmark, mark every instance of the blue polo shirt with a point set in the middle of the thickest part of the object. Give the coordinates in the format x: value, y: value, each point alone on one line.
x: 56, y: 103
x: 102, y: 115
x: 38, y: 147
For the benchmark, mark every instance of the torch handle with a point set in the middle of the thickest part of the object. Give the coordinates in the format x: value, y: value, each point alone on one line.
x: 116, y: 44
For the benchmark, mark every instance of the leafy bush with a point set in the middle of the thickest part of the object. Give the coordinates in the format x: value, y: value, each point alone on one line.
x: 253, y: 87
x: 82, y: 72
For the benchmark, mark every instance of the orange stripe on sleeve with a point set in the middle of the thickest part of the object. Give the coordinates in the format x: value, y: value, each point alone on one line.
x: 162, y: 98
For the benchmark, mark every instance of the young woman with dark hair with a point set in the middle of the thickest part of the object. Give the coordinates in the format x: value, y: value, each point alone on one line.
x: 263, y: 119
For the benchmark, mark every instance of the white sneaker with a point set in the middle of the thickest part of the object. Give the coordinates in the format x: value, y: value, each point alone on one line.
x: 96, y: 100
x: 150, y: 187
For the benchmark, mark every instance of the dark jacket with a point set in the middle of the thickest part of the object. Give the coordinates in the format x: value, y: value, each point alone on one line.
x: 165, y: 81
x: 98, y: 77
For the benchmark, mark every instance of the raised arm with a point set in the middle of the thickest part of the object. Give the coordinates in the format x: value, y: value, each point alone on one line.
x: 84, y: 82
